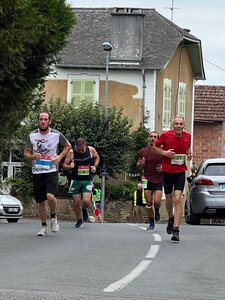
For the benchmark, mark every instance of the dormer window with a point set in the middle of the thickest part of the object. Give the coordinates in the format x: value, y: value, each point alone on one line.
x: 127, y: 34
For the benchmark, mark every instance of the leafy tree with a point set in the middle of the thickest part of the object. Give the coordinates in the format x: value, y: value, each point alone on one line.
x: 140, y: 140
x: 32, y: 33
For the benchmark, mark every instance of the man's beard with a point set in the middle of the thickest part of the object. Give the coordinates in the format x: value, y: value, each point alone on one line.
x: 44, y: 129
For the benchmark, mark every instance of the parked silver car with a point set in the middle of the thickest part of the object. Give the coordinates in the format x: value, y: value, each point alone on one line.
x: 11, y: 208
x: 206, y: 197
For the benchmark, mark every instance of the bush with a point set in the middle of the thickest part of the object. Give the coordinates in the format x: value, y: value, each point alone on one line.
x: 21, y: 189
x: 124, y: 191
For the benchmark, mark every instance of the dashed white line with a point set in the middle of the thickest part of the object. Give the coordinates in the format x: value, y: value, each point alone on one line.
x: 120, y: 284
x: 157, y: 237
x: 153, y: 251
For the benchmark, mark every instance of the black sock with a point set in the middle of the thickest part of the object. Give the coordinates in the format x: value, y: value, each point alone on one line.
x: 151, y: 220
x: 44, y: 224
x: 53, y: 215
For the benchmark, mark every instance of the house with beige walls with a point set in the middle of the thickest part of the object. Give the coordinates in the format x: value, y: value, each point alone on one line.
x: 153, y: 65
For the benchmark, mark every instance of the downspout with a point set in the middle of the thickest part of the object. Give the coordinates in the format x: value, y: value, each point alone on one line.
x: 192, y: 118
x: 143, y: 72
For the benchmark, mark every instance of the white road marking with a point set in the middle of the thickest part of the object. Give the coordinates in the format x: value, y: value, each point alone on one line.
x: 157, y: 237
x: 120, y: 284
x: 144, y: 228
x: 153, y: 251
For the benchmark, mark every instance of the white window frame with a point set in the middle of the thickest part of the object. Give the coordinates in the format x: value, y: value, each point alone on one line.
x: 82, y: 76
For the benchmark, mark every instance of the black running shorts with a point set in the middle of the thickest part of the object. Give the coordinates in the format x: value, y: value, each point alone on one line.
x: 45, y: 183
x: 173, y: 182
x: 154, y: 186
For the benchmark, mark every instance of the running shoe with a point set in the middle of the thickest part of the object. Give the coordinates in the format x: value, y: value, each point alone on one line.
x: 79, y: 224
x: 151, y: 226
x: 54, y: 225
x: 43, y: 231
x: 157, y: 214
x: 175, y: 236
x: 169, y: 228
x: 85, y: 214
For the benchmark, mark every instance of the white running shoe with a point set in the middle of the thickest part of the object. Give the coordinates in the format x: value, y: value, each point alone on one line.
x: 43, y: 231
x: 54, y: 225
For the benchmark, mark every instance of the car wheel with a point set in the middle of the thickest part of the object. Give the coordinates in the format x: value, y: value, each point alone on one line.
x: 186, y: 217
x: 195, y: 219
x: 12, y: 220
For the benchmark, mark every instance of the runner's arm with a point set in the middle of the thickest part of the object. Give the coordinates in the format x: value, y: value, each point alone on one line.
x: 66, y: 149
x: 68, y: 163
x: 169, y: 153
x: 96, y: 159
x: 28, y: 154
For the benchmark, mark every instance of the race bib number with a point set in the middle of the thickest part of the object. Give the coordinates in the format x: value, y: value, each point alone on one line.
x: 178, y: 159
x: 83, y: 170
x: 44, y: 163
x: 144, y: 183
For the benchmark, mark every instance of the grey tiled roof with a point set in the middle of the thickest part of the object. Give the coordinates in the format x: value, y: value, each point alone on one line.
x: 209, y: 103
x: 93, y: 26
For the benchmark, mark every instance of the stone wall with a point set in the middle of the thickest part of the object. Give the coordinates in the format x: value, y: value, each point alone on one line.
x: 115, y: 211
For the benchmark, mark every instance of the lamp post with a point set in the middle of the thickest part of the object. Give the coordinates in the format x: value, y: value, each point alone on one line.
x: 106, y: 47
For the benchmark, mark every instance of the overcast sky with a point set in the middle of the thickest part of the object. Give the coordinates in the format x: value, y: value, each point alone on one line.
x: 205, y: 19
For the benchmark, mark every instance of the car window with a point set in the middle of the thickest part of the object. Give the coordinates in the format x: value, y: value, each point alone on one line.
x: 215, y: 169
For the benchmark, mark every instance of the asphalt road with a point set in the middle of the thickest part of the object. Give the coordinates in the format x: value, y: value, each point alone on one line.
x: 111, y: 261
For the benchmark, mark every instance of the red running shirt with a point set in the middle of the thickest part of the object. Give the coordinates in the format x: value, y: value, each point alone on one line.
x: 180, y: 145
x: 152, y: 160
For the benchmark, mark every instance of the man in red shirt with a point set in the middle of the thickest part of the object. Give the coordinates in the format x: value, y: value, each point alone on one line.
x: 151, y: 163
x: 175, y: 146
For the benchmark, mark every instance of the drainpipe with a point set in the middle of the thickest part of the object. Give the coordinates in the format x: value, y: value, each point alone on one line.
x: 143, y: 72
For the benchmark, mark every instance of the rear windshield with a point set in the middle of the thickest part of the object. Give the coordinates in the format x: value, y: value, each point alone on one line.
x: 215, y: 169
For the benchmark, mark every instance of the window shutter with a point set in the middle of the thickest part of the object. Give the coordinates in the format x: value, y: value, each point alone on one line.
x: 82, y: 90
x: 88, y: 90
x: 76, y: 92
x: 182, y: 99
x: 166, y: 104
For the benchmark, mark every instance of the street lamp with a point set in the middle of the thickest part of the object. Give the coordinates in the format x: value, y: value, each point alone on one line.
x: 106, y: 47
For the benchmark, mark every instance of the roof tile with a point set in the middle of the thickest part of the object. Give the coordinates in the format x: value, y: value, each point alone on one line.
x: 209, y: 103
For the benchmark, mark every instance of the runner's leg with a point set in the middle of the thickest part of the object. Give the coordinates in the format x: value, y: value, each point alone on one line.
x: 149, y: 203
x: 178, y: 207
x: 76, y: 205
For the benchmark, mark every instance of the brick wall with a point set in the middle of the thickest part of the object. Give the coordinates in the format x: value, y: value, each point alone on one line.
x: 208, y: 141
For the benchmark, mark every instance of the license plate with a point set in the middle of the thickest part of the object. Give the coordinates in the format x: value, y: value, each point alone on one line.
x: 222, y: 186
x: 13, y: 209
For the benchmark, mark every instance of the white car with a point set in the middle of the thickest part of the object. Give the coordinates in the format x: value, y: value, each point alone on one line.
x: 11, y: 208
